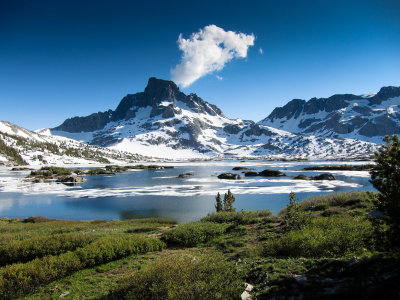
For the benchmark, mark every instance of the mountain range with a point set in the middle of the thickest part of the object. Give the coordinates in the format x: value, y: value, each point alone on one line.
x: 164, y: 122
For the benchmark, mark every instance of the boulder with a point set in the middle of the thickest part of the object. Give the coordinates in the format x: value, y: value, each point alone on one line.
x: 250, y: 174
x: 271, y: 173
x: 230, y: 176
x: 302, y: 177
x: 325, y: 176
x: 71, y: 179
x: 240, y: 169
x: 185, y: 175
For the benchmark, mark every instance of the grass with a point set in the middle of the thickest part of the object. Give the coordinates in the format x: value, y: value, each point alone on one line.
x: 193, y: 234
x: 182, y: 276
x: 350, y: 202
x: 19, y: 279
x: 22, y: 251
x: 334, y: 236
x: 334, y: 255
x: 243, y: 217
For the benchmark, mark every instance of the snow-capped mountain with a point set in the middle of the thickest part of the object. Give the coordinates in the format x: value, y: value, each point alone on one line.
x: 19, y: 146
x: 164, y: 122
x: 367, y: 117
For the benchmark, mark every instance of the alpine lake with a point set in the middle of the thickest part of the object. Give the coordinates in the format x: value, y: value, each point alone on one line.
x: 161, y: 193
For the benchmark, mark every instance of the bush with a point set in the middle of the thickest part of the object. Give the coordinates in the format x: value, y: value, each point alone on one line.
x: 19, y: 279
x: 39, y: 246
x: 324, y: 237
x: 183, y: 277
x: 242, y: 218
x: 194, y: 233
x: 50, y: 171
x: 348, y: 199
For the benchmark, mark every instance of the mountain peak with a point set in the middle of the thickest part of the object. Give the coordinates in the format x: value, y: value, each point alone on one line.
x: 159, y: 89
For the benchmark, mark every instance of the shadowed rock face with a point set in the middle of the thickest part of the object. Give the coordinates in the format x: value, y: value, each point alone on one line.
x: 92, y: 122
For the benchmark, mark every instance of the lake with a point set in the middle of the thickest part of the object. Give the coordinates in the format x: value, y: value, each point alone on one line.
x: 159, y: 193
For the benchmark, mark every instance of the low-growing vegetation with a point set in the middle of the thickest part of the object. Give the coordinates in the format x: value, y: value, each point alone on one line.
x: 366, y: 167
x: 193, y: 234
x: 22, y: 251
x: 19, y: 279
x: 334, y: 236
x: 208, y: 259
x: 183, y: 276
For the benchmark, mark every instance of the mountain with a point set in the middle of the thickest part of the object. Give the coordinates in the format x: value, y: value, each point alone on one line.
x: 19, y: 146
x: 164, y: 122
x: 367, y: 117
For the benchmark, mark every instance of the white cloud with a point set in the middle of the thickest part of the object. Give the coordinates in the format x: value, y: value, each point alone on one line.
x: 261, y: 51
x: 219, y: 77
x: 207, y: 51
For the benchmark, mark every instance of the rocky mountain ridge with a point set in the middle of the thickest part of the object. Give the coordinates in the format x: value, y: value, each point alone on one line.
x: 367, y: 117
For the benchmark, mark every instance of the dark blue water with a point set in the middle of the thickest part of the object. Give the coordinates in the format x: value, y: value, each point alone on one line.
x: 159, y: 193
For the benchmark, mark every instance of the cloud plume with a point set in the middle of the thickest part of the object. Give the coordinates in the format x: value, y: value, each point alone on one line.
x: 207, y: 51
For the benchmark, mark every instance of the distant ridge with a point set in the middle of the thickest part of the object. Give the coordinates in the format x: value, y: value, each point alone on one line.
x: 367, y: 117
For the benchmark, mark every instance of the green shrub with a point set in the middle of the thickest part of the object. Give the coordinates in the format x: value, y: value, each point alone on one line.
x: 348, y: 199
x: 99, y: 172
x: 19, y: 279
x: 183, y: 276
x: 39, y: 246
x: 193, y: 234
x: 366, y: 167
x: 154, y: 221
x: 243, y: 217
x: 324, y: 237
x: 141, y: 229
x: 50, y: 171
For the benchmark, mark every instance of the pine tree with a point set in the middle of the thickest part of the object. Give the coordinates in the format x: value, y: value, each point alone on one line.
x: 228, y: 201
x: 385, y: 177
x: 218, y: 204
x: 295, y: 217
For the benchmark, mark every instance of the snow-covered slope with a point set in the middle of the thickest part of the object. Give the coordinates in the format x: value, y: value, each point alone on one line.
x: 164, y: 122
x: 20, y: 146
x: 367, y: 117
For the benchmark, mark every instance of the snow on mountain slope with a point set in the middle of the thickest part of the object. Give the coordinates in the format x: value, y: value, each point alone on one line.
x: 164, y: 122
x: 21, y: 146
x: 366, y: 117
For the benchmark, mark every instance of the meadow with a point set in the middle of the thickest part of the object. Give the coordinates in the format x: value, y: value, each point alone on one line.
x: 337, y: 250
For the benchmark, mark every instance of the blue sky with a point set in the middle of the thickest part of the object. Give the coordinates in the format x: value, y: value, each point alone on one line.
x: 60, y: 59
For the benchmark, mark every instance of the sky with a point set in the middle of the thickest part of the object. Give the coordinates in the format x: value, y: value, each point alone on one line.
x: 60, y: 59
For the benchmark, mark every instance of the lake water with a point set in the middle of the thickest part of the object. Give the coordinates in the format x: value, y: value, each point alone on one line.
x: 159, y: 193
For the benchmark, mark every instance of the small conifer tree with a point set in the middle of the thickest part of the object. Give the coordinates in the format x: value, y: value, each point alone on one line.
x: 218, y: 204
x: 228, y: 201
x: 385, y: 177
x: 295, y: 218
